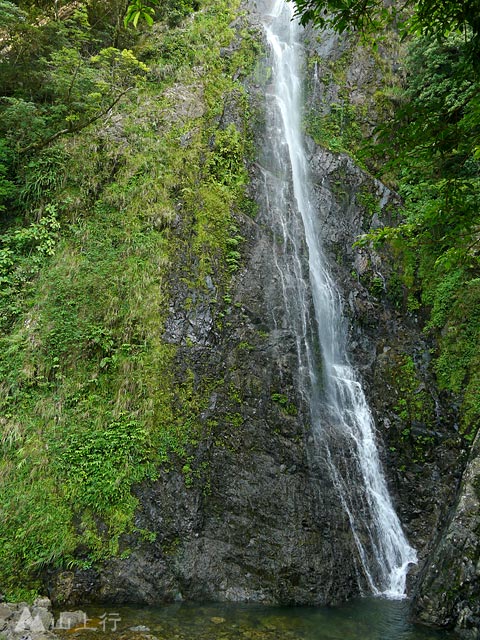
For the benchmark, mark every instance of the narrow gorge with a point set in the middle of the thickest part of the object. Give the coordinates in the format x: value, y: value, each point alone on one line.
x: 214, y: 386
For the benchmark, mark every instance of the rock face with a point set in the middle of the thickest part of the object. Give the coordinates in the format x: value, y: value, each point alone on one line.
x: 249, y: 518
x: 251, y: 523
x: 18, y: 620
x: 420, y: 449
x: 424, y: 455
x: 450, y: 584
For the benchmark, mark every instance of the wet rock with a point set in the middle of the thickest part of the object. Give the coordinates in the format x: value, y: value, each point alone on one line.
x: 5, y: 612
x: 449, y: 588
x: 422, y: 456
x: 70, y: 619
x: 43, y: 616
x: 43, y: 602
x: 34, y: 619
x: 253, y: 477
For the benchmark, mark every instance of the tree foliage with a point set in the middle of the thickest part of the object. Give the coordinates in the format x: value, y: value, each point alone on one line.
x: 424, y: 17
x: 435, y: 155
x: 138, y: 10
x: 342, y: 15
x: 173, y: 11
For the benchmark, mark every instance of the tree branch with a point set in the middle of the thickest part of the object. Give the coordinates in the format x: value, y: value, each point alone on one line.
x: 74, y: 129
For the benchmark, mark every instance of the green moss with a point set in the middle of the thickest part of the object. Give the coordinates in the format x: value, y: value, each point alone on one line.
x: 235, y: 419
x: 286, y: 405
x: 345, y: 125
x: 93, y: 399
x: 395, y: 290
x: 332, y: 125
x: 415, y: 408
x: 370, y: 204
x: 374, y: 284
x: 458, y: 364
x: 338, y: 129
x: 414, y: 403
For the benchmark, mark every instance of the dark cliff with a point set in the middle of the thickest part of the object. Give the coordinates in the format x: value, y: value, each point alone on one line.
x: 249, y: 517
x: 155, y: 332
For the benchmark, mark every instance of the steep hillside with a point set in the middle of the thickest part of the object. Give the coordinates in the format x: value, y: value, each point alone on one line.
x: 109, y: 230
x: 155, y: 444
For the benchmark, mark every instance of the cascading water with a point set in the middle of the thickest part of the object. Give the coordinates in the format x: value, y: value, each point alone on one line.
x: 342, y: 423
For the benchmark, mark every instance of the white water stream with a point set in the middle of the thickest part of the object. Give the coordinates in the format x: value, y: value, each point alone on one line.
x: 342, y: 423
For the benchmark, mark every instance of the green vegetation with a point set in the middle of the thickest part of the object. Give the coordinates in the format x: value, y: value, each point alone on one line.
x: 415, y: 439
x: 422, y: 17
x: 338, y: 129
x: 413, y: 403
x: 346, y: 123
x: 427, y: 147
x: 282, y: 400
x: 434, y: 159
x: 118, y: 177
x: 171, y: 11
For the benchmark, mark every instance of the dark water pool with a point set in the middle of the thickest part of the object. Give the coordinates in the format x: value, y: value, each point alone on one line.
x: 366, y: 619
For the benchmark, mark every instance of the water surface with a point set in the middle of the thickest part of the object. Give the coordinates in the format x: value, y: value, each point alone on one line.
x: 366, y: 619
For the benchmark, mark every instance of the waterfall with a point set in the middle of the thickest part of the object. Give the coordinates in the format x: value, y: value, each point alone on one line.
x: 342, y: 423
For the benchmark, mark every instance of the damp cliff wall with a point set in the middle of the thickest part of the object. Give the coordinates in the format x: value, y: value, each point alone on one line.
x: 246, y: 517
x: 151, y: 404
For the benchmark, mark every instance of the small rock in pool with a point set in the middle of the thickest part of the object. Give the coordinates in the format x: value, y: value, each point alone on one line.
x: 217, y: 620
x: 141, y: 627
